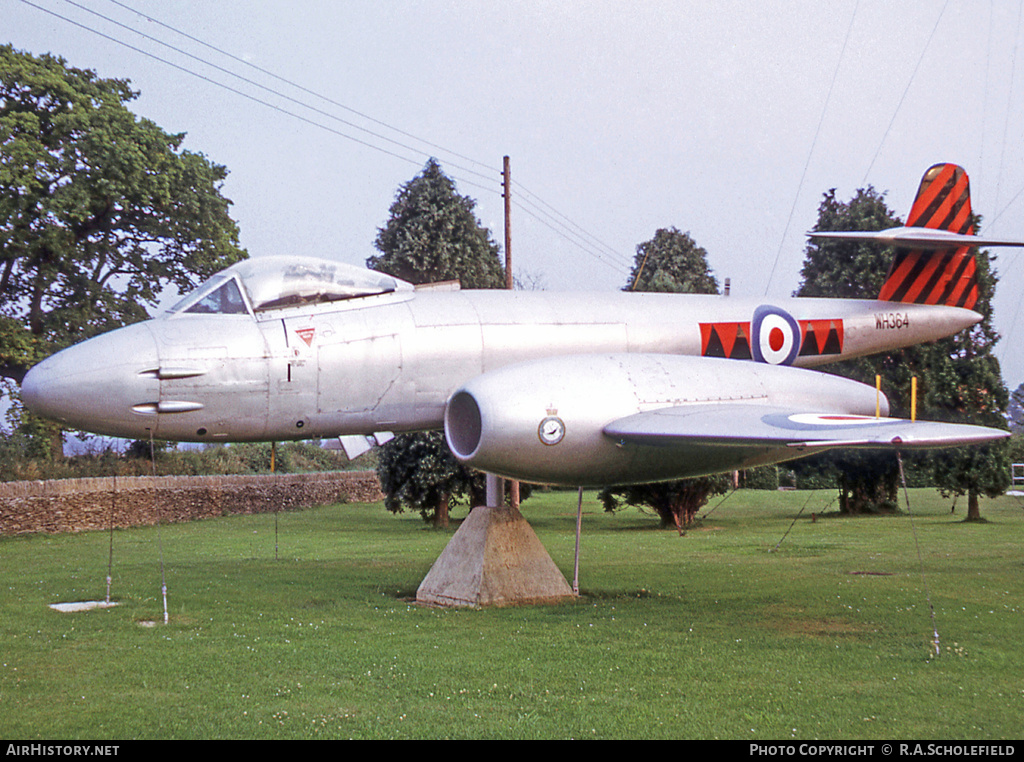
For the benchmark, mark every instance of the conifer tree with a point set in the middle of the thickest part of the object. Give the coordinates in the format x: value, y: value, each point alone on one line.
x: 670, y: 262
x: 958, y: 377
x: 432, y: 235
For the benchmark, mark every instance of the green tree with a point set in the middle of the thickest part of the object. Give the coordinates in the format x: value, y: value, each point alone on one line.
x: 675, y: 502
x: 958, y: 378
x: 99, y: 210
x: 1015, y: 410
x: 670, y: 262
x: 964, y: 384
x: 418, y: 471
x: 848, y: 269
x: 432, y: 235
x: 868, y: 481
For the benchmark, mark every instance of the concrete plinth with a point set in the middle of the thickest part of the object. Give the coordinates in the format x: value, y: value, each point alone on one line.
x: 494, y: 559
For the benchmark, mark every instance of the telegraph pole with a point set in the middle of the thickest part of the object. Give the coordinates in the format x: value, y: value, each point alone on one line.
x: 506, y: 177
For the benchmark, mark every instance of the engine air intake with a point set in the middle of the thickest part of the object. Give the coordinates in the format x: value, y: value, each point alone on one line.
x: 463, y: 424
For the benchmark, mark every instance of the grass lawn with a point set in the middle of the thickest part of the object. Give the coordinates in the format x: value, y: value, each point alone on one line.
x: 725, y: 632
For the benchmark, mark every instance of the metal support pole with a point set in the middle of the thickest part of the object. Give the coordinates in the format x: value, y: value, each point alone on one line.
x: 495, y: 491
x: 579, y: 527
x: 110, y: 551
x: 159, y: 529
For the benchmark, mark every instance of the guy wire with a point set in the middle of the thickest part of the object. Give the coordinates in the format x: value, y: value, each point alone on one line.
x: 920, y: 561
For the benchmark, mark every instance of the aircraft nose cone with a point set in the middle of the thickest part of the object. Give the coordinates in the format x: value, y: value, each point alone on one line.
x: 93, y: 385
x: 33, y: 386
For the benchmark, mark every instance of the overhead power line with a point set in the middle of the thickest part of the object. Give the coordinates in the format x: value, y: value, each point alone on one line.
x: 229, y: 88
x: 587, y: 236
x: 567, y: 236
x: 268, y: 89
x: 297, y: 86
x: 487, y: 181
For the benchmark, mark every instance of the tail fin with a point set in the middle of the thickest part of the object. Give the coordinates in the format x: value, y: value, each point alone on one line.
x: 937, y: 276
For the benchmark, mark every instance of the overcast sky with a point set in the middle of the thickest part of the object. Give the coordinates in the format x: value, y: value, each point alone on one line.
x: 726, y: 119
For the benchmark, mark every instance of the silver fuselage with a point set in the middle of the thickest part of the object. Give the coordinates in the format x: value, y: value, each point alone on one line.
x: 390, y: 362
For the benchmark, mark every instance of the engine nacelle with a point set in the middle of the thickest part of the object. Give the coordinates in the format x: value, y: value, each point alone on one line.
x: 543, y: 421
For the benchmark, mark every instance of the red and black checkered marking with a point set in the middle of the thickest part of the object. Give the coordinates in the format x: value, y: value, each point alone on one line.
x: 732, y: 339
x: 947, y: 276
x: 821, y: 337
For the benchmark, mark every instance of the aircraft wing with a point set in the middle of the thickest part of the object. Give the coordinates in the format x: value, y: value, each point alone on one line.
x: 758, y: 426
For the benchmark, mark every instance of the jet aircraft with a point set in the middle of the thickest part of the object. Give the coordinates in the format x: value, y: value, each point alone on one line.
x: 578, y: 389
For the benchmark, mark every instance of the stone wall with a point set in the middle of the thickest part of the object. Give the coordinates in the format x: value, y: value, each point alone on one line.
x: 75, y: 505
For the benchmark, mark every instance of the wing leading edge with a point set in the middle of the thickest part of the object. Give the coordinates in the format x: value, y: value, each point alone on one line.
x: 758, y: 426
x: 910, y: 237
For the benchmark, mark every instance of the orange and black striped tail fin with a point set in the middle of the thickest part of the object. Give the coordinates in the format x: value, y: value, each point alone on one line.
x: 941, y: 276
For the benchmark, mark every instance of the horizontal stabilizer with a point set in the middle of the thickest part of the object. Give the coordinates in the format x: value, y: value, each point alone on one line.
x: 926, y: 239
x: 758, y: 426
x: 933, y: 262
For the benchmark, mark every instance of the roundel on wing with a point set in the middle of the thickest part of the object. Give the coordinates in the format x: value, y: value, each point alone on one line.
x: 775, y: 336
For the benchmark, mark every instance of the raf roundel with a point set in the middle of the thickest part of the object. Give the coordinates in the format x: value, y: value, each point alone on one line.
x: 775, y: 336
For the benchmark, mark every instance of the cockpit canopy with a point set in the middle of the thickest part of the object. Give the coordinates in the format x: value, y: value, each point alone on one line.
x: 270, y: 283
